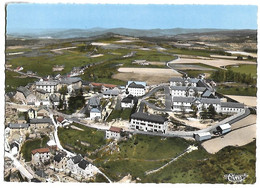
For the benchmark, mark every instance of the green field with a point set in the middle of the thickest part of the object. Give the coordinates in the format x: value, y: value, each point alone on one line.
x: 124, y: 114
x: 139, y: 154
x: 247, y: 69
x: 13, y: 80
x: 201, y: 167
x: 71, y: 139
x: 236, y: 90
x: 30, y: 145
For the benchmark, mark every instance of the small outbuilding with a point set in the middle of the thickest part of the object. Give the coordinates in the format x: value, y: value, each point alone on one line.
x: 202, y: 136
x: 225, y: 128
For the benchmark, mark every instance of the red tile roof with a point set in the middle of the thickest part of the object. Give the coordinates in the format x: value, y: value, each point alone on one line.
x: 40, y: 150
x: 102, y: 84
x: 115, y: 129
x: 60, y: 119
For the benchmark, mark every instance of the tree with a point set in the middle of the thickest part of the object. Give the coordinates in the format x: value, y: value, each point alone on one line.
x: 204, y: 113
x: 195, y: 110
x: 63, y: 90
x: 211, y: 111
x: 60, y: 106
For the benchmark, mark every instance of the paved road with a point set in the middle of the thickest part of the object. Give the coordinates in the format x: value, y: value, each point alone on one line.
x: 19, y: 166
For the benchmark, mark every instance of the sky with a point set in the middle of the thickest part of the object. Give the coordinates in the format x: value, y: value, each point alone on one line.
x: 24, y: 16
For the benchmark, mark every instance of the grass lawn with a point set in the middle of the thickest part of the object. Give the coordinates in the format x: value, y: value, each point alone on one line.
x: 247, y: 69
x: 30, y: 145
x: 123, y: 114
x: 71, y: 138
x: 189, y: 52
x: 13, y: 80
x: 201, y: 167
x: 244, y: 91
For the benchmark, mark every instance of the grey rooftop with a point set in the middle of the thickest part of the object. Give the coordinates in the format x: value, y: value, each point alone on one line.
x: 43, y: 120
x: 232, y: 105
x: 18, y: 125
x: 148, y: 117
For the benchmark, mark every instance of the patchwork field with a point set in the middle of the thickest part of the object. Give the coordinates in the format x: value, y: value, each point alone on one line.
x: 149, y: 75
x: 213, y: 62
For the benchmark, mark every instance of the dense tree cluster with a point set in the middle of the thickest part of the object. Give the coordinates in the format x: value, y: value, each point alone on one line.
x: 231, y: 76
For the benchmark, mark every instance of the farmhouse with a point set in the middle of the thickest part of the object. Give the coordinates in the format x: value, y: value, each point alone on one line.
x: 48, y: 86
x: 147, y: 122
x: 40, y: 155
x: 113, y: 132
x: 202, y: 136
x: 136, y: 88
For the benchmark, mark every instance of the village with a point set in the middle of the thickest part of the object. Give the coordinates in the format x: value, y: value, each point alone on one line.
x: 38, y: 109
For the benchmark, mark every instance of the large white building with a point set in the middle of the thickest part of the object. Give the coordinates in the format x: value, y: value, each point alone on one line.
x: 187, y: 91
x: 48, y: 86
x: 148, y: 123
x: 136, y: 88
x: 185, y: 103
x: 194, y: 82
x: 232, y: 107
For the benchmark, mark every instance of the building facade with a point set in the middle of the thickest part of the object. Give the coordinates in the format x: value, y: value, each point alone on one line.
x: 40, y: 155
x: 136, y: 89
x: 148, y: 123
x: 48, y: 86
x: 113, y: 133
